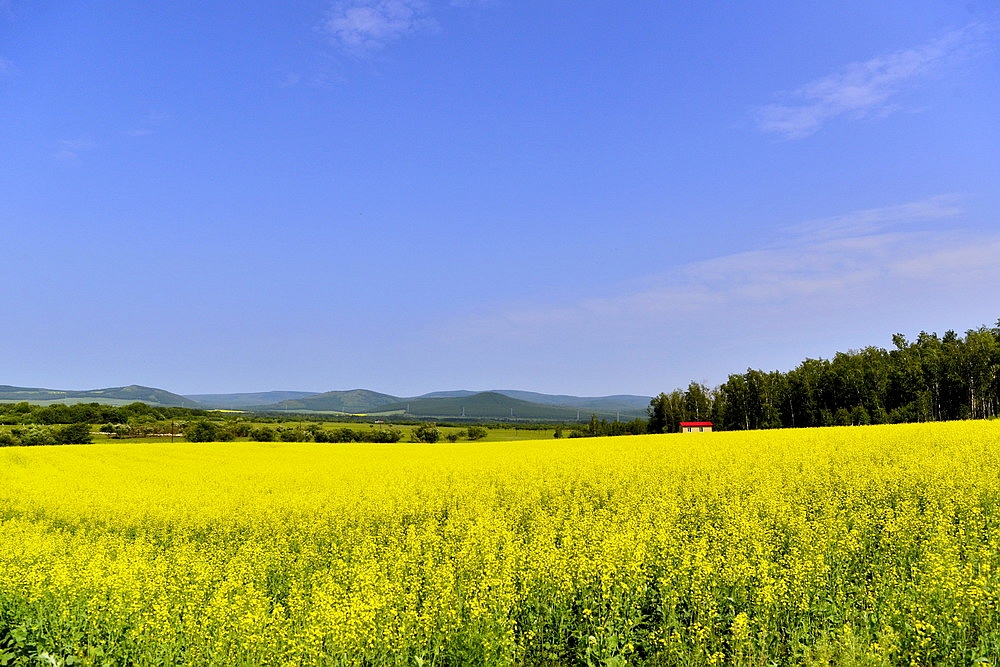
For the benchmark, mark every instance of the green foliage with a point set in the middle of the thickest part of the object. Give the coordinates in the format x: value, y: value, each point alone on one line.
x: 262, y: 434
x: 73, y: 434
x: 344, y: 435
x: 201, y: 430
x: 476, y: 432
x: 91, y: 413
x: 602, y: 427
x: 241, y: 429
x: 426, y: 433
x: 933, y: 378
x: 384, y: 435
x: 34, y: 435
x: 293, y: 435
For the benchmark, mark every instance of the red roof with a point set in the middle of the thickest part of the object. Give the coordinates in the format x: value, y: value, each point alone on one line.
x: 683, y: 424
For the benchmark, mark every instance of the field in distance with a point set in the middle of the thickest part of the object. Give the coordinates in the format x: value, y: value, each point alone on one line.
x: 853, y: 545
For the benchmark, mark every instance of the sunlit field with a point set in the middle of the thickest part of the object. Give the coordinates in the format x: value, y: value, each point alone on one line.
x: 855, y: 545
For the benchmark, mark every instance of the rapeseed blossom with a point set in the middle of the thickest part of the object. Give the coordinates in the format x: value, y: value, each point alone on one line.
x: 871, y: 545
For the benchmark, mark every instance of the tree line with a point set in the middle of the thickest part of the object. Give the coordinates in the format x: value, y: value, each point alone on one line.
x: 90, y: 413
x: 931, y: 378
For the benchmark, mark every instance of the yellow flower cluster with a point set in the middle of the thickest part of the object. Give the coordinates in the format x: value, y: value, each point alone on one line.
x: 863, y: 545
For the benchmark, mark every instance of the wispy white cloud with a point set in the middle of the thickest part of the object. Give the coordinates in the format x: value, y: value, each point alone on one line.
x: 864, y: 270
x: 474, y: 3
x: 363, y: 27
x: 70, y: 150
x: 148, y: 125
x: 867, y: 89
x: 874, y: 220
x: 6, y: 67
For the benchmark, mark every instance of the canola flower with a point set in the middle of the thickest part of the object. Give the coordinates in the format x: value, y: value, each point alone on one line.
x: 856, y: 545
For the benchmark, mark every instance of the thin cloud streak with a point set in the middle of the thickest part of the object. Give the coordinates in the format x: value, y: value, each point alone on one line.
x: 363, y: 27
x: 866, y: 89
x: 70, y: 150
x: 862, y: 260
x: 871, y: 221
x: 147, y: 126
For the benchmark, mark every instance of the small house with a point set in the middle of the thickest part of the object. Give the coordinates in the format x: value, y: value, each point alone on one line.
x: 696, y: 427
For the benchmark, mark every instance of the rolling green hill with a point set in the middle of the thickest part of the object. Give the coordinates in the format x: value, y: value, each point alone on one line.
x: 248, y: 400
x: 626, y: 403
x: 487, y: 405
x: 111, y: 396
x: 626, y: 406
x: 355, y: 401
x: 484, y: 405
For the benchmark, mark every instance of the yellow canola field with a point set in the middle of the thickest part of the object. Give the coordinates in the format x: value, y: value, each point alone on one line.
x: 855, y: 545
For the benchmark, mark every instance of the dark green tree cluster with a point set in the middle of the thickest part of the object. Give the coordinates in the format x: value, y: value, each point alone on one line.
x: 89, y: 413
x: 314, y: 433
x: 602, y: 427
x: 382, y: 434
x: 35, y: 434
x: 932, y: 378
x: 471, y: 433
x: 476, y: 432
x: 426, y: 433
x: 667, y: 411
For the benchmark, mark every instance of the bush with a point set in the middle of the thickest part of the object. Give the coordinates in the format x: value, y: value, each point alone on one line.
x: 35, y: 435
x: 73, y: 434
x: 7, y: 440
x: 293, y: 435
x: 201, y: 430
x: 343, y: 435
x: 384, y: 435
x: 225, y: 434
x: 262, y: 434
x: 476, y: 432
x: 426, y: 433
x: 240, y: 429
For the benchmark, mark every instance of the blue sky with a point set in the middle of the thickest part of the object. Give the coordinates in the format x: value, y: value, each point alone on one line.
x: 570, y: 197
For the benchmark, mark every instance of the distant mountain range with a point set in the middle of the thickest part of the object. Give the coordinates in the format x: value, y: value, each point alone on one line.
x: 492, y: 405
x: 112, y: 396
x: 240, y: 401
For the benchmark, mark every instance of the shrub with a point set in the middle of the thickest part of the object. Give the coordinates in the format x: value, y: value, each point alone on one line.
x: 292, y: 435
x: 73, y: 434
x: 201, y: 430
x: 384, y: 435
x: 426, y: 433
x: 262, y: 434
x: 343, y: 435
x: 240, y: 429
x: 36, y: 435
x: 477, y: 432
